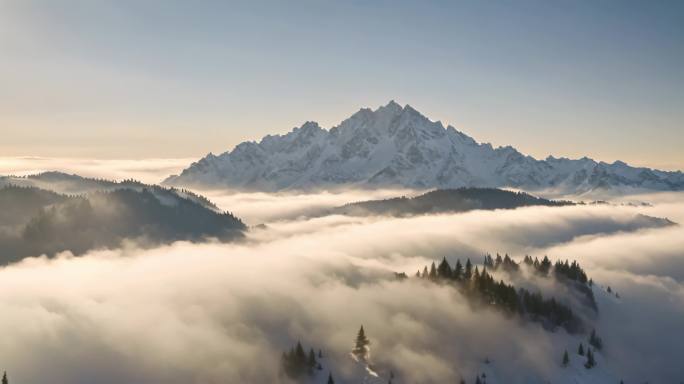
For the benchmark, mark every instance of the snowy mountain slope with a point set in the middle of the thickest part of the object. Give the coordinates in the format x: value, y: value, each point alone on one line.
x: 398, y: 146
x: 550, y: 370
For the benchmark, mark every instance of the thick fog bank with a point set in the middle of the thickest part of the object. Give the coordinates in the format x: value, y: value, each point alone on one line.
x: 217, y: 313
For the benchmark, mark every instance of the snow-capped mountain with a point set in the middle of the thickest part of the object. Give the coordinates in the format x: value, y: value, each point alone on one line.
x: 399, y: 147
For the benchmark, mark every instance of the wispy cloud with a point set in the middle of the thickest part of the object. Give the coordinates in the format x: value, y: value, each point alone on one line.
x: 145, y: 170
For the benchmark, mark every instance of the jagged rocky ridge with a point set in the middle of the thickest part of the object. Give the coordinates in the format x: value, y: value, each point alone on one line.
x: 395, y: 146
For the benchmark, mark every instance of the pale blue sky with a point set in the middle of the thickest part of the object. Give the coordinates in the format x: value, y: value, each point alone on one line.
x: 132, y: 79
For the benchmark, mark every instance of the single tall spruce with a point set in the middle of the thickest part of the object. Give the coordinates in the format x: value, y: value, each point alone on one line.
x: 311, y: 360
x: 580, y: 350
x: 444, y: 269
x: 433, y: 271
x: 458, y: 271
x: 591, y: 362
x: 566, y: 358
x: 595, y: 341
x: 468, y: 270
x: 330, y: 378
x: 4, y: 378
x: 361, y: 347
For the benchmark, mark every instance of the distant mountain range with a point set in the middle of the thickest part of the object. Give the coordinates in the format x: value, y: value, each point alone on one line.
x: 395, y: 146
x: 101, y: 214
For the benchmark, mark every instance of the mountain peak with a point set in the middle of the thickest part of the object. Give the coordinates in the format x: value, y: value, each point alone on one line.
x: 309, y: 126
x: 397, y: 146
x: 391, y: 108
x: 393, y: 104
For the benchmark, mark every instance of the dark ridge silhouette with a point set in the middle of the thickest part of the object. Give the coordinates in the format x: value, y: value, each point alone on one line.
x: 43, y: 222
x: 446, y: 201
x: 19, y: 204
x: 70, y: 184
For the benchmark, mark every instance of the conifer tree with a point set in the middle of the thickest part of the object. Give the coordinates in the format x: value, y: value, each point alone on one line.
x: 311, y: 360
x: 361, y: 347
x: 488, y: 262
x: 498, y: 261
x: 433, y: 271
x: 458, y: 271
x: 4, y: 378
x: 330, y: 378
x: 595, y: 341
x: 566, y: 358
x: 545, y: 265
x: 295, y: 362
x: 299, y: 352
x: 591, y: 362
x: 425, y: 273
x: 580, y: 350
x: 444, y: 269
x: 468, y: 270
x: 528, y: 260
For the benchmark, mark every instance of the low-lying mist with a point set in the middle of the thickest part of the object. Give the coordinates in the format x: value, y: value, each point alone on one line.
x: 146, y: 170
x: 217, y: 313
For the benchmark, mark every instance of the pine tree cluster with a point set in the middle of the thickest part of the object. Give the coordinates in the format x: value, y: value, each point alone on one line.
x: 297, y: 363
x: 506, y: 263
x: 556, y: 313
x: 571, y: 271
x: 483, y: 288
x: 541, y: 267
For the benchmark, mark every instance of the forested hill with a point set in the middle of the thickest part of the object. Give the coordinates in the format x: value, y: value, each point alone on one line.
x: 35, y: 221
x: 445, y: 201
x: 70, y: 184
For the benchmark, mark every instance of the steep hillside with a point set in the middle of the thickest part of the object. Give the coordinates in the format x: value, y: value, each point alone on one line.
x: 42, y: 222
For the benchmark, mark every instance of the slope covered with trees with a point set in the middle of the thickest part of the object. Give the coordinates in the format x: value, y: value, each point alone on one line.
x: 43, y: 222
x: 481, y: 288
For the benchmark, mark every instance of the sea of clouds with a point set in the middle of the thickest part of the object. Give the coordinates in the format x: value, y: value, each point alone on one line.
x: 223, y: 313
